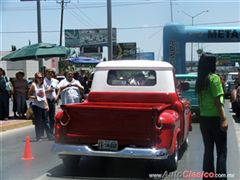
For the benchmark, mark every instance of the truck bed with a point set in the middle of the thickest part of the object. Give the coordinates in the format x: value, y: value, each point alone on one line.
x: 125, y: 122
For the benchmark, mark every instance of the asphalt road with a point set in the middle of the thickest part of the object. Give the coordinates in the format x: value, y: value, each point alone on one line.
x: 47, y: 166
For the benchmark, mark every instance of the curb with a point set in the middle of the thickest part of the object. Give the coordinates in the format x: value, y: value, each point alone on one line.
x: 14, y: 124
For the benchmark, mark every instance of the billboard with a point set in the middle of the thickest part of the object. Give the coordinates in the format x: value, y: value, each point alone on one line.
x: 125, y: 50
x: 88, y: 37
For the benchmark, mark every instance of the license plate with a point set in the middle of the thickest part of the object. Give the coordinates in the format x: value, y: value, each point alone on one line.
x: 108, y: 145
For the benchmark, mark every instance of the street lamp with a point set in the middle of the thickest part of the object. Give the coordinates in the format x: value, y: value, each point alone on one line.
x: 198, y: 14
x: 192, y: 17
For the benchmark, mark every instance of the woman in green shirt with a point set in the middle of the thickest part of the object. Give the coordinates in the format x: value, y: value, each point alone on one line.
x: 213, y: 123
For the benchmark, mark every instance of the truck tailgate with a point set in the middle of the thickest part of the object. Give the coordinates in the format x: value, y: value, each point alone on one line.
x: 123, y: 123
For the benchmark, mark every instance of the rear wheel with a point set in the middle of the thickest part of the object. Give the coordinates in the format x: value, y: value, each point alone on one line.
x: 71, y: 162
x: 185, y: 144
x: 172, y: 161
x: 183, y: 148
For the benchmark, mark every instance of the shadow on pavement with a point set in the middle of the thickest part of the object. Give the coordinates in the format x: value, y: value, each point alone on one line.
x: 109, y: 168
x: 113, y: 168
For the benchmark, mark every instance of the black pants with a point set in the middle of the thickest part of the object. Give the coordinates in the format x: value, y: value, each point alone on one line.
x: 41, y: 122
x: 4, y: 105
x: 51, y: 113
x: 212, y: 134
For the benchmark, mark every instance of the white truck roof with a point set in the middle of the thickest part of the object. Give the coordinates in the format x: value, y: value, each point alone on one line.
x: 164, y: 76
x: 135, y: 64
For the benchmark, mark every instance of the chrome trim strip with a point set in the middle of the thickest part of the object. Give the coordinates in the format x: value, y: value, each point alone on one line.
x: 135, y: 153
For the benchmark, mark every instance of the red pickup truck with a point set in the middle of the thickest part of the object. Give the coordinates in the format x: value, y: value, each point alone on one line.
x: 132, y: 111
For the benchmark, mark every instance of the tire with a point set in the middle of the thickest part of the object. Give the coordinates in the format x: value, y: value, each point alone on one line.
x: 183, y: 148
x: 71, y: 162
x: 172, y: 161
x: 185, y: 144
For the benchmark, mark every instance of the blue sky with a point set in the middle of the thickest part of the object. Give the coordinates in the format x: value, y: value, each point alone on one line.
x: 139, y: 21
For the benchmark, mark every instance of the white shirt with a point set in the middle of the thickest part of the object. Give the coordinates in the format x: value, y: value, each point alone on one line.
x: 52, y: 83
x: 70, y: 94
x: 39, y: 92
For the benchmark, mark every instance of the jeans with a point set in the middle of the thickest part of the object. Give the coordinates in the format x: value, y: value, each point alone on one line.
x: 41, y: 122
x: 21, y: 101
x: 51, y: 113
x: 212, y: 134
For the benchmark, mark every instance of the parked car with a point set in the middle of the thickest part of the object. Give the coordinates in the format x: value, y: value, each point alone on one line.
x: 132, y: 111
x: 230, y: 83
x: 189, y: 94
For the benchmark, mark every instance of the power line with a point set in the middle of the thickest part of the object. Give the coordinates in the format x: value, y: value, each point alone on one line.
x: 87, y: 17
x: 121, y: 28
x: 76, y: 7
x: 76, y: 16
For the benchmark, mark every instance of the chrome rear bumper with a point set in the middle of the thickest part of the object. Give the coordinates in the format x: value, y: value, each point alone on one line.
x: 135, y: 153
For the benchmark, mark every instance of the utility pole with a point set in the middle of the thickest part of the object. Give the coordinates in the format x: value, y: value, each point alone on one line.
x: 61, y: 27
x: 61, y: 19
x: 61, y: 22
x: 39, y: 30
x: 171, y: 10
x: 109, y: 23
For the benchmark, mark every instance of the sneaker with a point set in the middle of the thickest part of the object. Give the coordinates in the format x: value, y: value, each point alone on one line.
x: 38, y: 139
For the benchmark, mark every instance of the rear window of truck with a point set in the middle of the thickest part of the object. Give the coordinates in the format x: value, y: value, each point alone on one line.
x: 131, y: 78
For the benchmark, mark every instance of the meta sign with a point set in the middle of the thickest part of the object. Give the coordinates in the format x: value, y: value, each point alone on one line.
x: 222, y: 34
x: 175, y: 38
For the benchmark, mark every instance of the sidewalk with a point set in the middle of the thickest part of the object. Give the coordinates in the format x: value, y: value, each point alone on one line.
x: 9, y: 124
x: 13, y: 123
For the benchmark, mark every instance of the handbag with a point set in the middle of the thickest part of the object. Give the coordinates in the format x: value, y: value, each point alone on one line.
x: 8, y: 85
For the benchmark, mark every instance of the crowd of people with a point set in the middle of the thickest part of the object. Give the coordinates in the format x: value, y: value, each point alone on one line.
x: 43, y: 93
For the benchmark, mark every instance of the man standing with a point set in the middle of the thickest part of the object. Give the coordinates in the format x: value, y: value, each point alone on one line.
x: 50, y: 85
x: 70, y: 89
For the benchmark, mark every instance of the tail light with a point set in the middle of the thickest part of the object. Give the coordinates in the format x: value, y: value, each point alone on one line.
x: 62, y: 119
x: 57, y: 131
x: 167, y: 119
x: 159, y: 122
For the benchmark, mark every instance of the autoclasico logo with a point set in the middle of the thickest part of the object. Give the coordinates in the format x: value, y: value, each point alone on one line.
x: 189, y: 174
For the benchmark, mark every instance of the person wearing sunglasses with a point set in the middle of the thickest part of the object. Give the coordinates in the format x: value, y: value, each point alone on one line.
x: 40, y: 107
